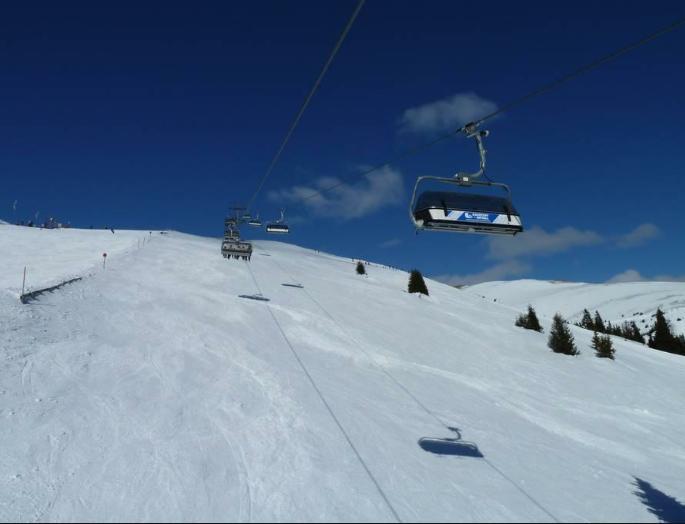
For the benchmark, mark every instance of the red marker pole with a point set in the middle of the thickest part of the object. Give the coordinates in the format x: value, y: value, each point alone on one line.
x: 104, y: 260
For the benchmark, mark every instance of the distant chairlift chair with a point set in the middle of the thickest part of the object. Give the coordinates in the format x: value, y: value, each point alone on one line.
x: 278, y: 226
x: 255, y: 221
x: 462, y: 212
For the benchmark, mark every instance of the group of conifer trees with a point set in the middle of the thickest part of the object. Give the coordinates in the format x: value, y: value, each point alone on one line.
x: 561, y: 339
x: 628, y: 330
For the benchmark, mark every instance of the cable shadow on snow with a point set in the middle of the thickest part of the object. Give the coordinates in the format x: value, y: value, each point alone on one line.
x: 664, y: 507
x: 451, y: 446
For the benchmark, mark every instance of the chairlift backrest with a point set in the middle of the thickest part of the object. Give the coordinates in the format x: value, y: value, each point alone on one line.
x: 276, y: 227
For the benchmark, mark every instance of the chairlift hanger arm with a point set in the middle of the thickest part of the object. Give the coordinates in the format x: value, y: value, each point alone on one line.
x: 471, y: 131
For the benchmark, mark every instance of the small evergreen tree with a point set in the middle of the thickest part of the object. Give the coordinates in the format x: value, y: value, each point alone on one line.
x: 598, y: 323
x: 680, y: 344
x: 586, y: 322
x: 662, y: 338
x: 610, y: 329
x: 634, y: 333
x: 361, y: 270
x: 522, y: 321
x: 603, y: 346
x: 416, y: 283
x: 532, y: 321
x: 529, y: 320
x: 595, y: 341
x: 560, y: 337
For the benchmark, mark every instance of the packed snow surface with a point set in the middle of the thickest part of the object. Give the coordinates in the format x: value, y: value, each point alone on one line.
x: 151, y: 391
x: 617, y: 302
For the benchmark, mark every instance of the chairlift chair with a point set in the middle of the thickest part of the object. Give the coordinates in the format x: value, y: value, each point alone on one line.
x: 278, y: 226
x: 463, y: 212
x: 255, y: 222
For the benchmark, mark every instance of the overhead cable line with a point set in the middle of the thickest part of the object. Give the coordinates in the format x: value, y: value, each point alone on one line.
x: 357, y: 343
x: 308, y: 99
x: 507, y: 107
x: 328, y: 407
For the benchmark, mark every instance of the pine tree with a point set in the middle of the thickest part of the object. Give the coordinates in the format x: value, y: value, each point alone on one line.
x: 680, y: 344
x: 532, y: 321
x: 595, y: 341
x: 634, y: 333
x: 603, y: 346
x: 529, y: 320
x: 662, y: 338
x: 598, y: 323
x: 360, y: 269
x: 618, y: 330
x: 522, y: 321
x: 560, y: 337
x: 416, y: 283
x: 586, y: 322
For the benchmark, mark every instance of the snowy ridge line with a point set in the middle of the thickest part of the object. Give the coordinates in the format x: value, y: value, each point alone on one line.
x: 328, y: 408
x: 353, y: 261
x: 412, y: 396
x: 33, y: 295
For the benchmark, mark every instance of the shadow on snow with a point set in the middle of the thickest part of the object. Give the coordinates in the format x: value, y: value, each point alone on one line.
x: 664, y: 507
x: 450, y: 446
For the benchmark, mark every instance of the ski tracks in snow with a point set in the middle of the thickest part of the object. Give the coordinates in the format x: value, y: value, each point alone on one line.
x: 375, y: 362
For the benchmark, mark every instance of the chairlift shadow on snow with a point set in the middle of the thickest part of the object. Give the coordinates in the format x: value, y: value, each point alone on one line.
x: 259, y: 298
x: 664, y: 507
x: 451, y: 446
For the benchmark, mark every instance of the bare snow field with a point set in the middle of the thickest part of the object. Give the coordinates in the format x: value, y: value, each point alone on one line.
x: 150, y: 391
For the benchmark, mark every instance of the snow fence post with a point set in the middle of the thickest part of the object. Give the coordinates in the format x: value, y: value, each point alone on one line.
x: 23, y: 282
x: 104, y: 260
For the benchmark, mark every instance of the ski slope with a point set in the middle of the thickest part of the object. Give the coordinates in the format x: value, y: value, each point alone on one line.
x: 616, y: 302
x: 53, y: 255
x: 150, y: 391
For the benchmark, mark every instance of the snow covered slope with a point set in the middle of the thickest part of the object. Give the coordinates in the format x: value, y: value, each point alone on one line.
x: 616, y: 302
x: 53, y: 255
x: 152, y: 391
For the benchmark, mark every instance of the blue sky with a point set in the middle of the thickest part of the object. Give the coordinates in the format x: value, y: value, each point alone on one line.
x: 162, y: 115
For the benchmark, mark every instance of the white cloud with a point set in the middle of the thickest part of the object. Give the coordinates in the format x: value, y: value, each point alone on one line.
x: 537, y: 241
x: 346, y: 200
x: 629, y: 275
x: 632, y: 275
x: 393, y: 242
x: 503, y: 270
x: 448, y: 113
x: 638, y: 236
